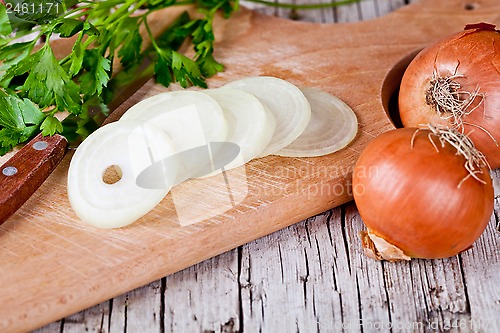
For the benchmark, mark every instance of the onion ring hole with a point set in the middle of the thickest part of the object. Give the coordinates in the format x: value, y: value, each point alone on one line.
x: 112, y: 175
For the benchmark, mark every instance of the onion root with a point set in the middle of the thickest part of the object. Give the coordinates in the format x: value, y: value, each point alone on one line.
x: 449, y: 101
x: 475, y: 161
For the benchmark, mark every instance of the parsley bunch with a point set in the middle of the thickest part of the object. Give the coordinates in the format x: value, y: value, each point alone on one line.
x: 32, y: 79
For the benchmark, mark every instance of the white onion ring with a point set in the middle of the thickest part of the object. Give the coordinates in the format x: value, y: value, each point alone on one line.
x: 192, y: 119
x: 250, y: 125
x: 132, y: 146
x: 333, y: 126
x: 287, y: 103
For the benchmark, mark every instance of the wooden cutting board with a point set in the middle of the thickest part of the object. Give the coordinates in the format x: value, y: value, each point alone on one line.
x: 52, y: 265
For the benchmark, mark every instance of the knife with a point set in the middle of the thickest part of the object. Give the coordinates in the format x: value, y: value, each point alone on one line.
x: 25, y: 172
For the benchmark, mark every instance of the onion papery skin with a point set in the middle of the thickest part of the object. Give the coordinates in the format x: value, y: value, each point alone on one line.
x: 475, y: 54
x: 410, y: 196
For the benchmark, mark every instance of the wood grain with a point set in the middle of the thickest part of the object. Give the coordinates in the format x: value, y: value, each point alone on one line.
x: 69, y: 266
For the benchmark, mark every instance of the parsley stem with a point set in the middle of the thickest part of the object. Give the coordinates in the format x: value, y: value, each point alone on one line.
x: 123, y: 10
x: 183, y: 3
x: 22, y: 33
x: 151, y: 37
x: 87, y: 42
x: 76, y: 10
x: 304, y: 7
x: 124, y: 16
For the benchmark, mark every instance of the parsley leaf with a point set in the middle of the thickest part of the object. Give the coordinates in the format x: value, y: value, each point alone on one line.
x: 51, y: 125
x: 12, y: 54
x: 19, y: 119
x: 69, y: 27
x: 96, y: 74
x: 48, y: 83
x: 162, y: 68
x: 75, y: 128
x: 77, y: 54
x: 209, y: 66
x: 186, y: 71
x: 5, y: 27
x: 131, y: 41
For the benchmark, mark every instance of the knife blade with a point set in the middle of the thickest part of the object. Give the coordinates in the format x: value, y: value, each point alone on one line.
x: 24, y: 173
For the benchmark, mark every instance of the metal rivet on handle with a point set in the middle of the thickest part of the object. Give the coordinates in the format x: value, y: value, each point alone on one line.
x: 9, y: 171
x: 40, y: 145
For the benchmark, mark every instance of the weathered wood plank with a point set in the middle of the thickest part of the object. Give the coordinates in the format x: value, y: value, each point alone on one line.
x: 260, y: 8
x: 371, y: 291
x: 204, y: 297
x: 137, y: 309
x: 95, y: 320
x: 296, y: 280
x: 445, y: 298
x: 52, y: 327
x: 481, y: 270
x: 363, y: 10
x: 368, y: 10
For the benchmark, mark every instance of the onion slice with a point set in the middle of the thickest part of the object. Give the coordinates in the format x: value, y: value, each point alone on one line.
x: 333, y: 126
x: 250, y: 125
x: 287, y: 103
x: 129, y: 147
x: 192, y: 119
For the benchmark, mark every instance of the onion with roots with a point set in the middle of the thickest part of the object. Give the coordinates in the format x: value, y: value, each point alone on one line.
x: 456, y: 82
x: 422, y: 193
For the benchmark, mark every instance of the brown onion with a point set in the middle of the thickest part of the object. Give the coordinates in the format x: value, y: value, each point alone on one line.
x: 419, y: 197
x: 456, y: 82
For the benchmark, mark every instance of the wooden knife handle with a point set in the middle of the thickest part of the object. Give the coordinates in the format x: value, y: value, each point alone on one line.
x: 24, y: 172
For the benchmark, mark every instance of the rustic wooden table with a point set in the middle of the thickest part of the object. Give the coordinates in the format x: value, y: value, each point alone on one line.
x: 313, y: 276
